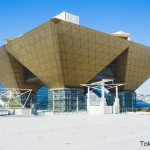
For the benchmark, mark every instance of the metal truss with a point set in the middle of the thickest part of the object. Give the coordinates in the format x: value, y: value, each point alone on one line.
x: 15, y: 93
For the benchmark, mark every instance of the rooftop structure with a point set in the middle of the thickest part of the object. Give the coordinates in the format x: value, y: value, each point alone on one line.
x: 68, y: 17
x: 122, y: 34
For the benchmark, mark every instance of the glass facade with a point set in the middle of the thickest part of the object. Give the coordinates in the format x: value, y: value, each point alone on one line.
x: 28, y: 74
x: 127, y: 101
x: 41, y: 98
x: 74, y: 99
x: 106, y: 73
x: 67, y: 100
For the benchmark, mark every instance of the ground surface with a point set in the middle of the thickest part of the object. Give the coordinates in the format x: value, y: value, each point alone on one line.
x: 75, y: 132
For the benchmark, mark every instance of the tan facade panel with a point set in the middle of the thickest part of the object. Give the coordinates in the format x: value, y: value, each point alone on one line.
x: 6, y: 73
x: 138, y: 66
x: 12, y: 72
x: 63, y: 54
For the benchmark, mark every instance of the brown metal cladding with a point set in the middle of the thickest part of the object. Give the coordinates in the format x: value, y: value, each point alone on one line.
x: 12, y: 73
x: 63, y: 54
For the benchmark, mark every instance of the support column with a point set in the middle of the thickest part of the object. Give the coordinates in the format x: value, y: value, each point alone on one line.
x: 88, y: 99
x: 103, y: 100
x: 77, y: 105
x: 116, y: 107
x: 53, y: 102
x: 103, y: 91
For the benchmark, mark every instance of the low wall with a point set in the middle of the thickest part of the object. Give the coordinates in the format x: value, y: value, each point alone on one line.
x: 96, y: 110
x: 4, y: 112
x: 23, y: 112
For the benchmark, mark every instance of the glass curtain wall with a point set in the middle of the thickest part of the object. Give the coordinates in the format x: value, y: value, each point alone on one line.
x: 41, y: 98
x: 127, y: 101
x: 67, y: 100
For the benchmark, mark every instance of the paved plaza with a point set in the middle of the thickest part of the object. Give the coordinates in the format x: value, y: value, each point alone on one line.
x: 75, y: 132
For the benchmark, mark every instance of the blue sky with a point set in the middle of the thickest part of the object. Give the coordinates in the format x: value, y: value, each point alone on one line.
x: 131, y: 16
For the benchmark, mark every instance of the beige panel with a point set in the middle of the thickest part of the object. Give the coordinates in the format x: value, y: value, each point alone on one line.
x: 62, y: 54
x: 38, y: 51
x: 18, y: 70
x: 12, y: 74
x: 120, y: 70
x: 86, y: 52
x: 138, y: 66
x: 6, y: 73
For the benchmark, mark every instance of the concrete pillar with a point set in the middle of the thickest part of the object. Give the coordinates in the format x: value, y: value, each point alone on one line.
x: 77, y: 105
x: 116, y: 91
x: 53, y: 102
x: 103, y: 106
x: 103, y: 100
x: 116, y: 107
x: 103, y: 91
x: 88, y: 99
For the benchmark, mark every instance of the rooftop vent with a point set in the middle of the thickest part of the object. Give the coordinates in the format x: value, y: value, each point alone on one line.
x: 122, y: 34
x: 68, y: 17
